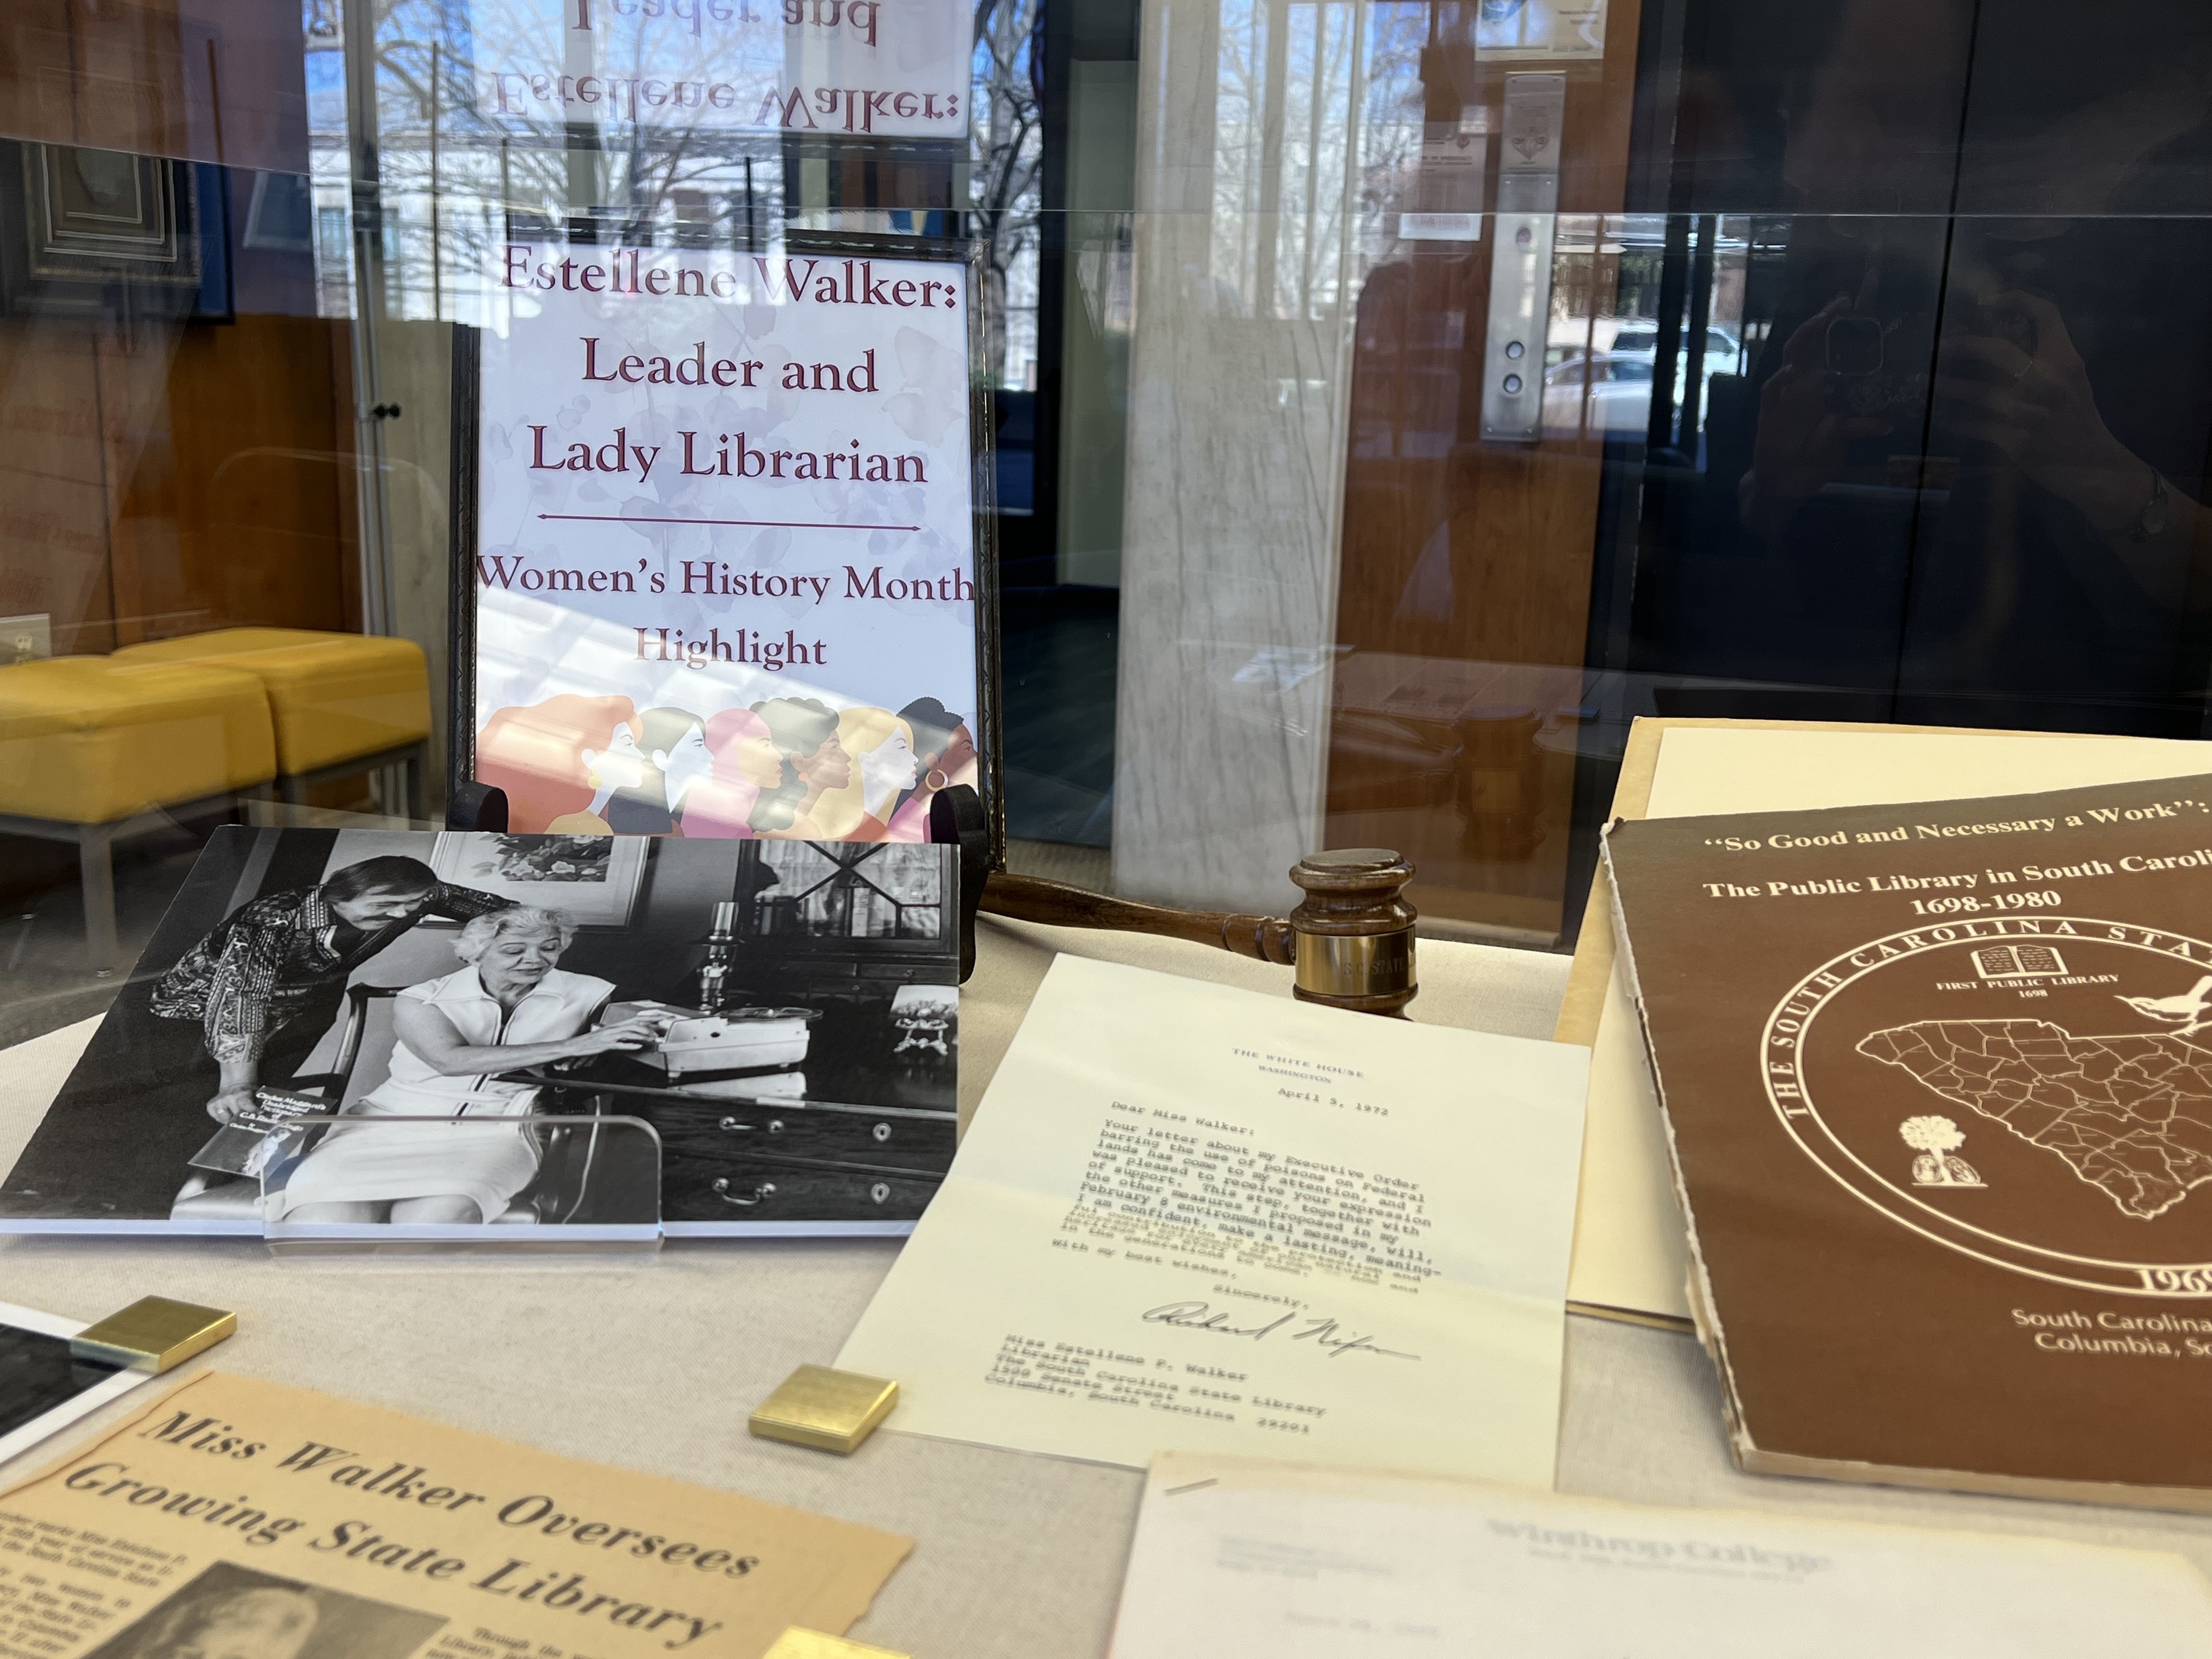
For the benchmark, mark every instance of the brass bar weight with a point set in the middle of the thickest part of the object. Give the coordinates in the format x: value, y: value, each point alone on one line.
x: 1355, y: 931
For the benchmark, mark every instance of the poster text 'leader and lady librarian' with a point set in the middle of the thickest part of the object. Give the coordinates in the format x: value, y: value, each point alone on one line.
x: 699, y: 460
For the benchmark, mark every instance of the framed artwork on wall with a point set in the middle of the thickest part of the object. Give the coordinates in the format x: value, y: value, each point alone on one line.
x: 593, y: 879
x: 102, y: 233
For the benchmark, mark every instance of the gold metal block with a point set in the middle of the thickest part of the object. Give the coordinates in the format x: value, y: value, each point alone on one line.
x: 797, y: 1643
x: 153, y: 1334
x: 828, y: 1410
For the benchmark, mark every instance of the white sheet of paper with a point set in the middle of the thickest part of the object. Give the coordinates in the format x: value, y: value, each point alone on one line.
x: 1631, y: 1251
x: 1629, y: 1248
x: 1194, y: 1217
x: 1716, y: 769
x: 1234, y: 1556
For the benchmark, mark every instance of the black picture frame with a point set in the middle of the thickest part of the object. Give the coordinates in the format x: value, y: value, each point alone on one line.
x: 160, y: 252
x: 467, y: 394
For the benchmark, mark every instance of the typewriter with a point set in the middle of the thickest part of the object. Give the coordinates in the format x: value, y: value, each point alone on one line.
x: 737, y: 1040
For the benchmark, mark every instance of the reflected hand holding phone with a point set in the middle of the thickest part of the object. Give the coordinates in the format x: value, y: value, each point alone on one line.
x: 1824, y: 397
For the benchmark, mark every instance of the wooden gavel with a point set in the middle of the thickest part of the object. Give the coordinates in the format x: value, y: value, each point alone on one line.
x: 1350, y: 940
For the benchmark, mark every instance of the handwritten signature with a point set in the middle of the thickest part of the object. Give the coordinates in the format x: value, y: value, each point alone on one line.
x: 1326, y: 1334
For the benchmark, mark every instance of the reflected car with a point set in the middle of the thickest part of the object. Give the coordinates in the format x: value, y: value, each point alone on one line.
x: 1722, y: 347
x: 1618, y: 388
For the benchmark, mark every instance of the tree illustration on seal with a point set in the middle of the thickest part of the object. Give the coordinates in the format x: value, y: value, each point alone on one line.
x: 1936, y: 1138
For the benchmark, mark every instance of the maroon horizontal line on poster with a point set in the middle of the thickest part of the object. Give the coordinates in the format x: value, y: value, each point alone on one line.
x: 768, y: 524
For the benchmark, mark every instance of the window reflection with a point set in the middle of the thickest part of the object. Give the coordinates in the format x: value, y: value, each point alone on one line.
x: 841, y: 890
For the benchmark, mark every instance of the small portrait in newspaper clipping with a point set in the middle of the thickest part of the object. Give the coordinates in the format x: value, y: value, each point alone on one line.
x: 230, y: 1611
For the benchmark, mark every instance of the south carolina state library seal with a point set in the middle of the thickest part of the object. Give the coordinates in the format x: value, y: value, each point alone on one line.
x: 2031, y: 1091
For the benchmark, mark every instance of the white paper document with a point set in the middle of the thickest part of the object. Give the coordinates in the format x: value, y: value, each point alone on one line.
x: 1192, y: 1217
x: 1707, y: 769
x: 1236, y: 1557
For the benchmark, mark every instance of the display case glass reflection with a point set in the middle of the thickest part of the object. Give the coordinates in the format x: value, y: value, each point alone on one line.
x: 844, y: 891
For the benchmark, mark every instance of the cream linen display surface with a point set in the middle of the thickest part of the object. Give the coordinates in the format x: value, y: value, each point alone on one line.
x: 1629, y: 1238
x: 1236, y: 1556
x: 1191, y: 1217
x: 652, y: 1368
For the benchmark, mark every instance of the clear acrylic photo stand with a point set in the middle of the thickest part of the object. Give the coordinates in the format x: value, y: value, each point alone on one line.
x: 589, y: 1185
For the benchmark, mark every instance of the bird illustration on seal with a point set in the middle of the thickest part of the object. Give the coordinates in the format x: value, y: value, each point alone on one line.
x: 2191, y: 1010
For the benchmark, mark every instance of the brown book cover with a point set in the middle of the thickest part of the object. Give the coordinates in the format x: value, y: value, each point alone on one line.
x: 1938, y: 1087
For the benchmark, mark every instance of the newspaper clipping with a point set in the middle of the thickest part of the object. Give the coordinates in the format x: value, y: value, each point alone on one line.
x: 240, y: 1520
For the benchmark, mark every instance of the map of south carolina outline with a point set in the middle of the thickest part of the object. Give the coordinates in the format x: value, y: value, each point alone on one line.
x: 2120, y: 1110
x: 1789, y: 1090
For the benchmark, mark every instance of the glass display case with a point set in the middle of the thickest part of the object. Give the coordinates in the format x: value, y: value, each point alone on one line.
x: 1386, y: 402
x: 522, y: 521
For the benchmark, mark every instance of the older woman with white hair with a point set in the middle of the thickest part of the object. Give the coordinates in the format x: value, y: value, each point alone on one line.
x: 507, y: 1008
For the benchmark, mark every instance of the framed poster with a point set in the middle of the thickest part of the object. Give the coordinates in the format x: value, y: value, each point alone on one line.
x: 722, y: 541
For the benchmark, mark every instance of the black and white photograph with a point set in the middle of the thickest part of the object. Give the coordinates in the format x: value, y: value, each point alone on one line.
x: 230, y: 1612
x: 341, y: 1031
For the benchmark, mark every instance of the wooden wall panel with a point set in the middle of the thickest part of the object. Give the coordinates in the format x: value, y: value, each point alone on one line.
x: 171, y: 478
x: 340, y: 354
x: 200, y: 80
x: 53, y: 495
x: 130, y: 369
x: 232, y: 498
x: 1466, y: 570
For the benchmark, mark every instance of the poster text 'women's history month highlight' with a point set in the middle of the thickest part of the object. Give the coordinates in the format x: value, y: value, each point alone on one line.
x: 725, y: 567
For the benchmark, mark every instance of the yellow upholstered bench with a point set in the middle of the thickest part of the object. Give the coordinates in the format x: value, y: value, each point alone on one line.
x: 94, y: 749
x: 342, y: 704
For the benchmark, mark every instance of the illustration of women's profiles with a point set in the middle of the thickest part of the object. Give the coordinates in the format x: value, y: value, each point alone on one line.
x: 743, y: 764
x: 561, y: 761
x: 629, y: 775
x: 881, y: 748
x: 946, y: 751
x: 804, y: 733
x: 671, y: 757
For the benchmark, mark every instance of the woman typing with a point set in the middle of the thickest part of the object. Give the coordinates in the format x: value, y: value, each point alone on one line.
x: 507, y: 1009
